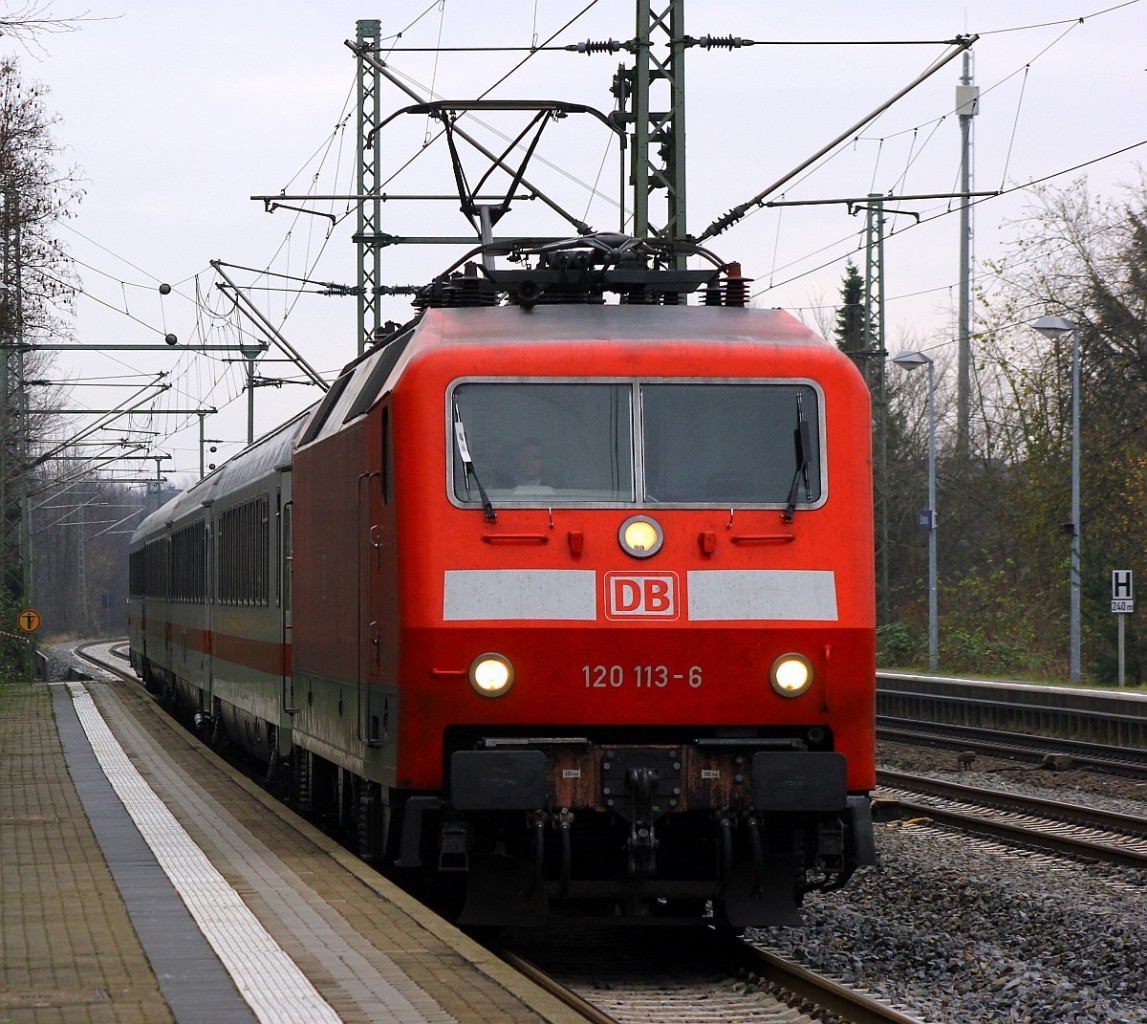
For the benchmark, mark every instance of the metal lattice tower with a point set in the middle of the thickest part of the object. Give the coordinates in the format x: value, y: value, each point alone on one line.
x: 874, y: 295
x: 658, y: 150
x: 967, y: 106
x: 875, y: 360
x: 367, y: 238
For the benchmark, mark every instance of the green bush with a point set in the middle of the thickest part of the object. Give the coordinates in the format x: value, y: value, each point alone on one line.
x: 897, y: 644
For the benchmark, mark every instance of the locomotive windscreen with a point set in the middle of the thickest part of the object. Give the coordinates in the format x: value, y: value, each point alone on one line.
x: 532, y: 442
x: 700, y: 442
x: 727, y: 443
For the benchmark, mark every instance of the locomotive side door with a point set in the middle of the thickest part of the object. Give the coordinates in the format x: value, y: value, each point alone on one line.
x: 168, y: 625
x: 372, y: 556
x: 206, y: 594
x: 286, y: 578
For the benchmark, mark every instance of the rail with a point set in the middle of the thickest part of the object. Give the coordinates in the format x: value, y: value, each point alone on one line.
x: 1069, y: 713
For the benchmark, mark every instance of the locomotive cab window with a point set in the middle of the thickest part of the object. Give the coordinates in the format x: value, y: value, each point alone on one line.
x: 731, y: 443
x: 698, y: 442
x: 532, y: 443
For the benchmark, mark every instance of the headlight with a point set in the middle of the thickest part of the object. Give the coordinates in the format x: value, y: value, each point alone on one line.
x: 640, y: 536
x: 791, y: 675
x: 491, y: 675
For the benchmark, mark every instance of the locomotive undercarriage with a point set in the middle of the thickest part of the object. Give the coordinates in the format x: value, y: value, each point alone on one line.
x: 734, y: 830
x: 745, y: 827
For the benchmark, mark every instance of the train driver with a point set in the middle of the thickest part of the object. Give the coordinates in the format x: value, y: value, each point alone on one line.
x: 528, y: 468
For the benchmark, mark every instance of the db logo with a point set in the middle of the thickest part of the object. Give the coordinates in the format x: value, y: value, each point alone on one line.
x: 647, y: 597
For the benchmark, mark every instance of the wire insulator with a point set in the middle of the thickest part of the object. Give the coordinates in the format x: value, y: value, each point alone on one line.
x: 590, y: 47
x: 723, y: 42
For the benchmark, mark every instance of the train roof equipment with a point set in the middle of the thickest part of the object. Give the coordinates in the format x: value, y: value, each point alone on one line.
x: 583, y: 270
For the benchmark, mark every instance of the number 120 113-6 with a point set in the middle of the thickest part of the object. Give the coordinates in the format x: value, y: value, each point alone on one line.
x: 599, y: 677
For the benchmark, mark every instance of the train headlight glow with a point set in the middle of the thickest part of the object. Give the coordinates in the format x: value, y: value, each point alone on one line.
x: 640, y: 536
x: 491, y: 675
x: 791, y: 675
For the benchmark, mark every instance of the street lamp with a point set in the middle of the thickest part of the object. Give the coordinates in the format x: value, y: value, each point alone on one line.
x: 1058, y: 328
x: 910, y: 361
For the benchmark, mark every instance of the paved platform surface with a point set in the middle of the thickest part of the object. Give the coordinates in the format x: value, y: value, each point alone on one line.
x: 274, y: 922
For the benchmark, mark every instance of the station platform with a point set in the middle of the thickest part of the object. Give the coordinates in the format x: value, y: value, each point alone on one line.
x: 144, y: 880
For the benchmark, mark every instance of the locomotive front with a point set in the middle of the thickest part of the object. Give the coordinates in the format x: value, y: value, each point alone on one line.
x: 635, y: 626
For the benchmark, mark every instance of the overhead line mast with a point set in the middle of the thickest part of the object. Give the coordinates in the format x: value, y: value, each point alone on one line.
x: 367, y: 37
x: 657, y: 161
x: 658, y: 150
x: 967, y: 106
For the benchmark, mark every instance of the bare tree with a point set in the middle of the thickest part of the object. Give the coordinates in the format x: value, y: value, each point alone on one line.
x: 1082, y: 257
x: 36, y: 287
x: 33, y: 19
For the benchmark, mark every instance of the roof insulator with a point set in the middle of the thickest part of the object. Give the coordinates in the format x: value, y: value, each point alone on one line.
x: 736, y: 287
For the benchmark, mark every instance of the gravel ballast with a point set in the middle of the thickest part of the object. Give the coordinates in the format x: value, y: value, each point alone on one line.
x: 963, y: 931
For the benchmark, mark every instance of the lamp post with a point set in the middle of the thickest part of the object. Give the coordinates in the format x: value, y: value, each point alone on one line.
x: 909, y: 361
x: 1057, y: 328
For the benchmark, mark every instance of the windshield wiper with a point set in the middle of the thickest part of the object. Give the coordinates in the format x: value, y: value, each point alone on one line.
x: 802, y: 442
x: 468, y: 464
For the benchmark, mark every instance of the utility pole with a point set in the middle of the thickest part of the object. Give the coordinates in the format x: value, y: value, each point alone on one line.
x: 203, y: 441
x: 155, y: 486
x: 658, y: 137
x: 967, y: 106
x: 83, y: 571
x: 368, y: 236
x: 875, y: 355
x: 250, y: 355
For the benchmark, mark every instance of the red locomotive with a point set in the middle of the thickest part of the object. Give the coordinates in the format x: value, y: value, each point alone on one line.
x: 565, y: 602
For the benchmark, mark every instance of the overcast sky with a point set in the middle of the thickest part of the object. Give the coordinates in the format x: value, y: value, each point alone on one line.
x: 178, y: 113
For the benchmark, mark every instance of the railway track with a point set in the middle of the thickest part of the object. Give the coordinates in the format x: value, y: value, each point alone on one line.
x: 680, y: 976
x: 1075, y: 830
x: 1081, y: 722
x: 690, y: 976
x: 1017, y: 747
x: 108, y: 656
